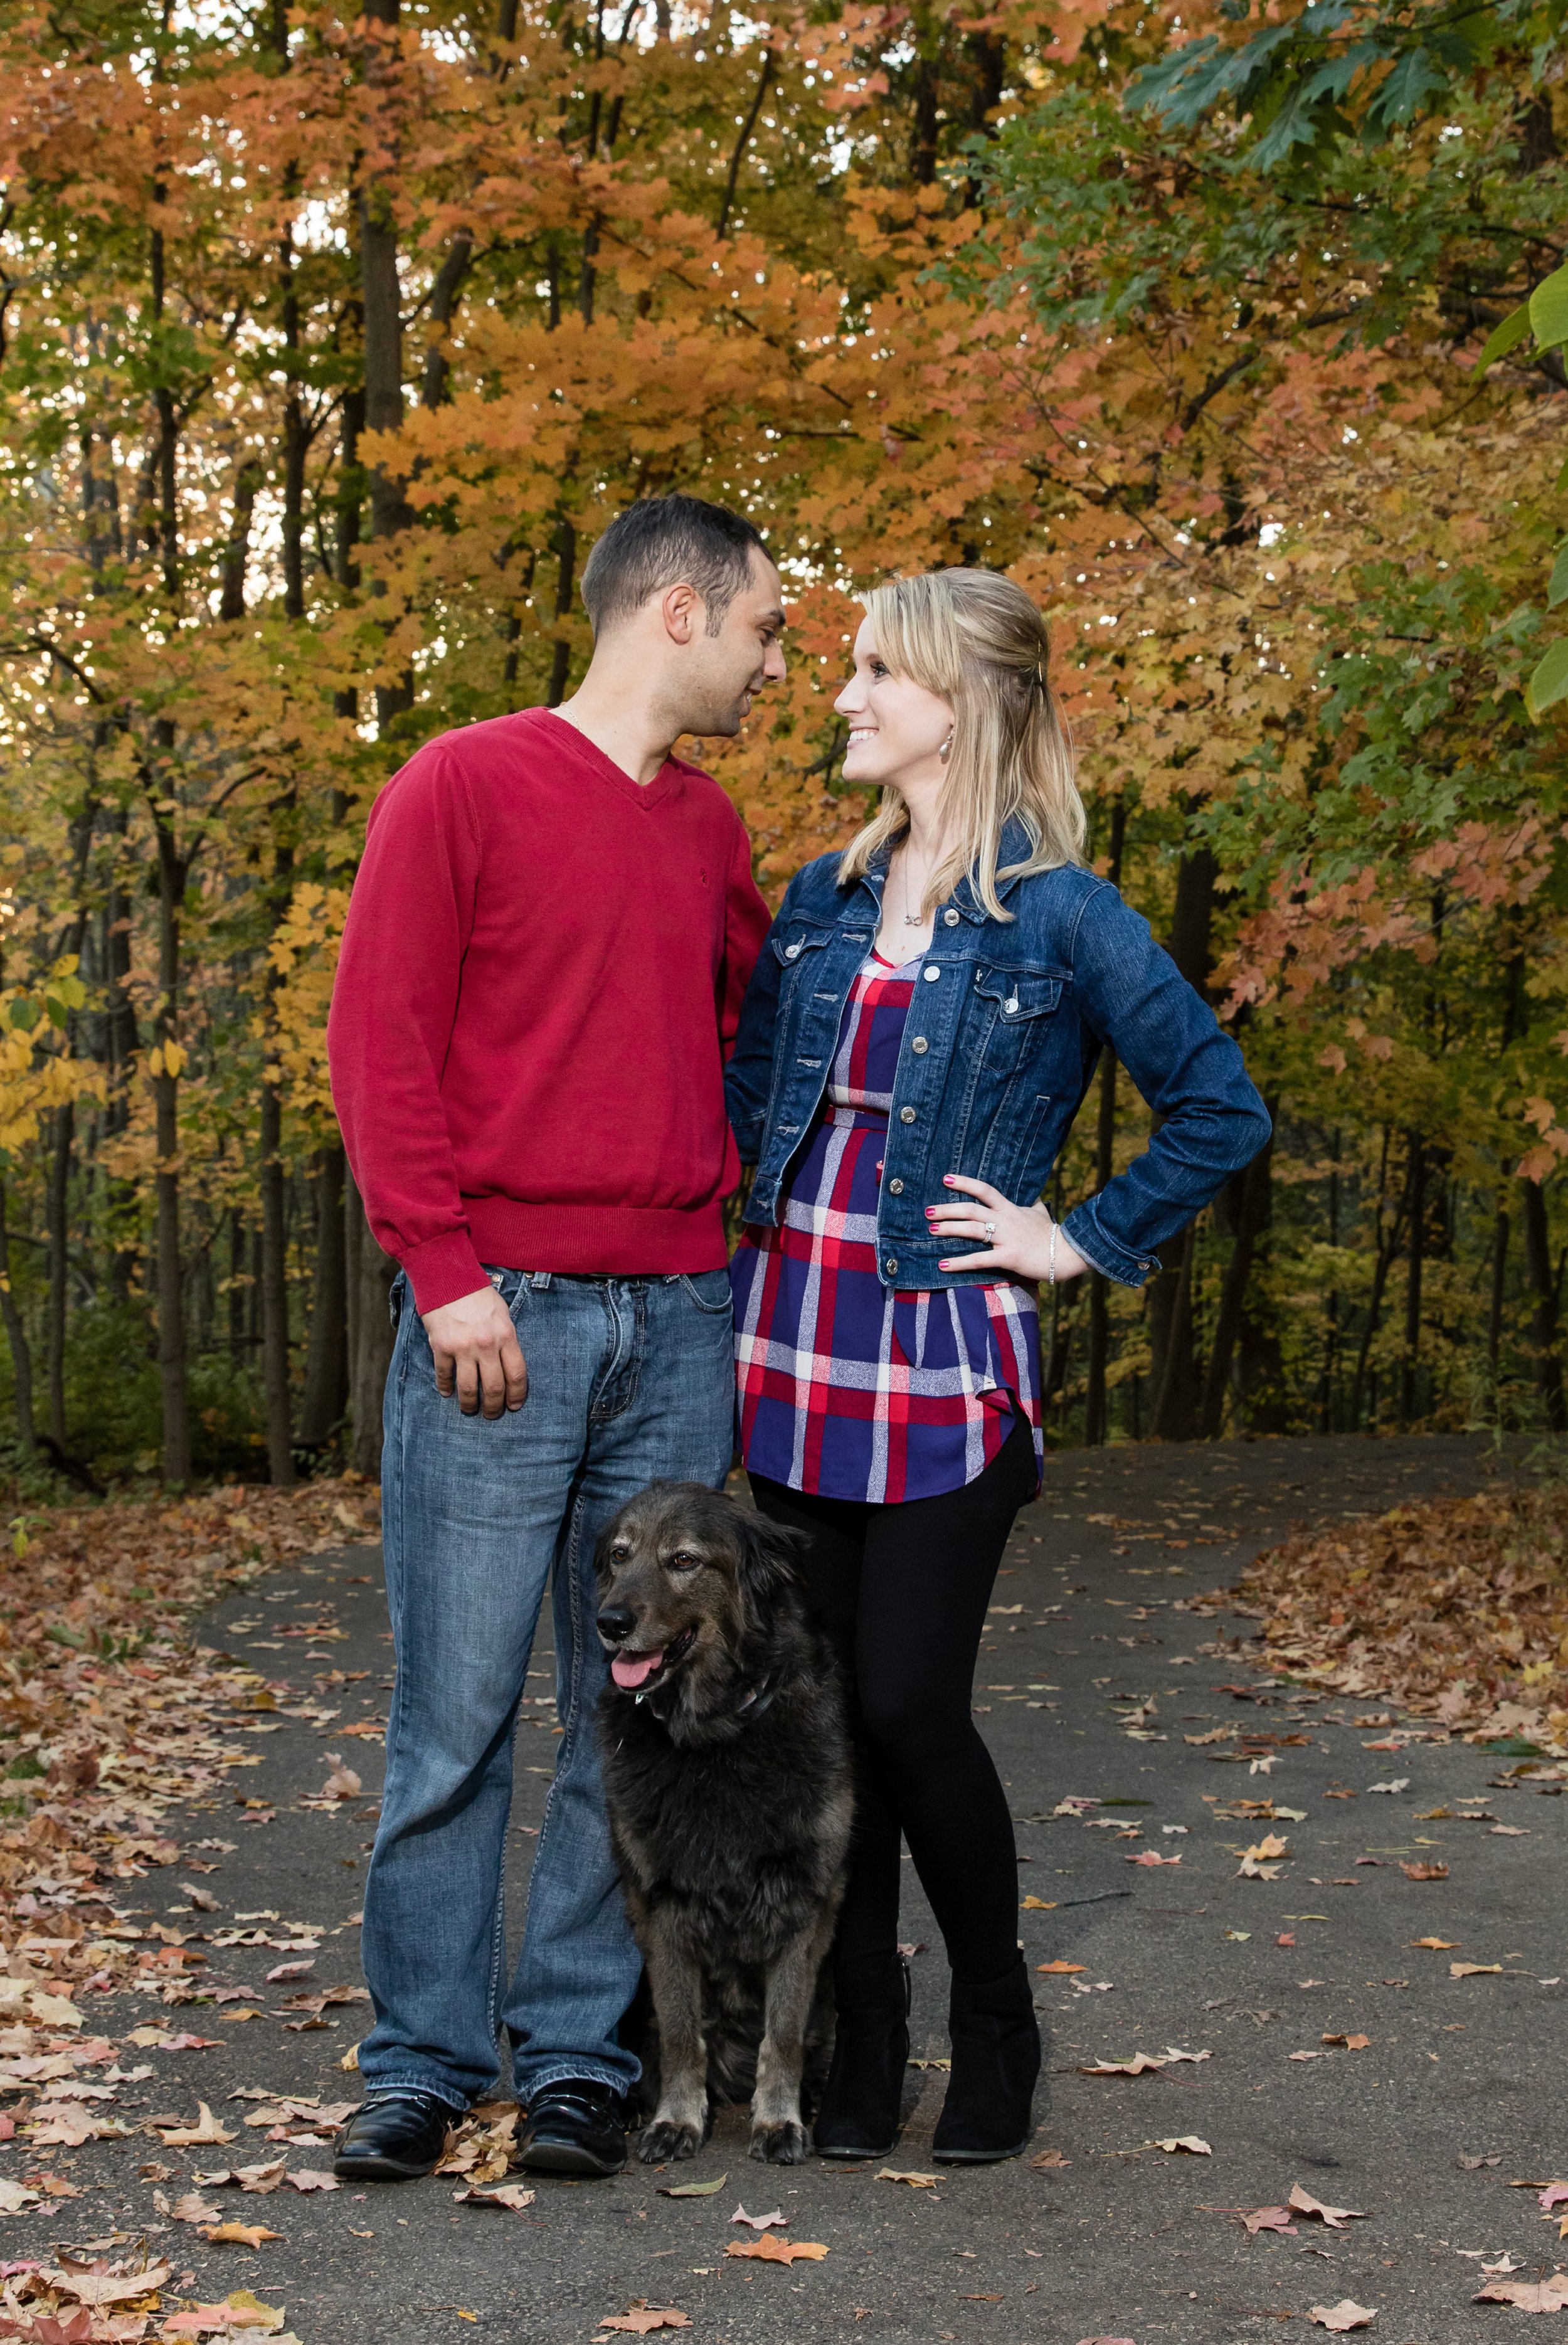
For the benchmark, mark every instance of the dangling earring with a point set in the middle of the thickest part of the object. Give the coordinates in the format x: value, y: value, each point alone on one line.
x: 945, y: 751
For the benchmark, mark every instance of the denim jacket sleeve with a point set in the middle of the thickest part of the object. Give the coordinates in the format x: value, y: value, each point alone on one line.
x: 1189, y: 1070
x: 748, y: 1077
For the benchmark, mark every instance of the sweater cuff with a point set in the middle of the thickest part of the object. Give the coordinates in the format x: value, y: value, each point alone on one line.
x: 442, y: 1269
x: 1104, y: 1254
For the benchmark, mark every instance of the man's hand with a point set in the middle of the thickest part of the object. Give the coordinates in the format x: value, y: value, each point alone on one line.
x: 477, y: 1355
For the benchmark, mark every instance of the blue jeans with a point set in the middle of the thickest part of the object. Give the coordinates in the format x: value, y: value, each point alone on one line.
x: 629, y: 1380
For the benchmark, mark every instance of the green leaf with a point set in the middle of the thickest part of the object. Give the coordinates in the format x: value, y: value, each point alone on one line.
x: 1557, y: 592
x: 1502, y: 338
x: 691, y: 2190
x: 1549, y: 310
x: 1549, y: 683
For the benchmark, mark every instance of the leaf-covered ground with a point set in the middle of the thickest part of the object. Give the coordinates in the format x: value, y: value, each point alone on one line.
x: 1456, y: 1610
x: 109, y: 1718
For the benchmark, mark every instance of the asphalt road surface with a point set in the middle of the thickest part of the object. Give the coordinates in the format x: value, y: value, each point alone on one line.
x: 1113, y: 1695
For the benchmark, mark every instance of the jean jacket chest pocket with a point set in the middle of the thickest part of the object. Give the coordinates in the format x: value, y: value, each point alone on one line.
x: 1008, y: 1006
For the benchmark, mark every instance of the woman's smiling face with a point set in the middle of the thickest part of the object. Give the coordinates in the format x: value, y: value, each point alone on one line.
x: 897, y: 728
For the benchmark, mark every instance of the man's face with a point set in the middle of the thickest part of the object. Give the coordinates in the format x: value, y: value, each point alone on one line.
x: 722, y: 673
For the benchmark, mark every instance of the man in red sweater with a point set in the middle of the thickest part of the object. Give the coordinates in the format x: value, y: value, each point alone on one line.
x: 542, y: 972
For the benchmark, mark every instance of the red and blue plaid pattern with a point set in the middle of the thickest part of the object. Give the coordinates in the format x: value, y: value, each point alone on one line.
x: 847, y: 1390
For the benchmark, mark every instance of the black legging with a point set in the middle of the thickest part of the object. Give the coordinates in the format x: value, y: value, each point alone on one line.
x: 901, y: 1592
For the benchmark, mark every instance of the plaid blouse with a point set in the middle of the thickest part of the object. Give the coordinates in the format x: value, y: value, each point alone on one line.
x: 846, y: 1390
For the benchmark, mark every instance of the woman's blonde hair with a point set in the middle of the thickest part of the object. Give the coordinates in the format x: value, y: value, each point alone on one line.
x: 978, y: 641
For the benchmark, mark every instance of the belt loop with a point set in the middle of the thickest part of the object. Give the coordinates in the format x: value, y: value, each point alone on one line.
x: 539, y: 1280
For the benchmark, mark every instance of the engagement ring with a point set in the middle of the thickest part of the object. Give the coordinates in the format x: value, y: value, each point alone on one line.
x: 989, y: 1231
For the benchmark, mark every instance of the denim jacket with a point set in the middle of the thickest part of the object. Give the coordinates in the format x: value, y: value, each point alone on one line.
x: 1000, y: 1044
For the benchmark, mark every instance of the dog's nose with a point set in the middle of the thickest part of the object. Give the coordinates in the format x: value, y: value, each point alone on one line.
x: 617, y: 1623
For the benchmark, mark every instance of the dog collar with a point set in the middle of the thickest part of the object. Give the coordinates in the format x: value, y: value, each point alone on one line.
x: 751, y: 1706
x: 757, y: 1700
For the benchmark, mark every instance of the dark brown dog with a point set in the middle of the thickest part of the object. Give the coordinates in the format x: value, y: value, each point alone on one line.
x: 726, y: 1773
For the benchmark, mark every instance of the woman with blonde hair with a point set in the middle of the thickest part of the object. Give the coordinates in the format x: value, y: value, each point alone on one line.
x: 922, y: 1027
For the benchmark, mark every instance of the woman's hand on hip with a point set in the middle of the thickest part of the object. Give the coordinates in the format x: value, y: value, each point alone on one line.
x: 1017, y: 1238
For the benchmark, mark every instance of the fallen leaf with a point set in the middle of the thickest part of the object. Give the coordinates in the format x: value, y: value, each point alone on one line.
x: 342, y: 1783
x: 1336, y: 2217
x: 1190, y: 2141
x: 1530, y: 2296
x: 1438, y: 1946
x: 1150, y: 1856
x: 239, y: 2310
x: 1346, y: 2314
x: 1268, y: 1848
x: 1049, y: 2161
x: 769, y: 2250
x: 915, y: 2181
x: 1475, y: 1970
x: 512, y: 2196
x: 1268, y: 2218
x: 1350, y: 2043
x: 1555, y: 2195
x: 1174, y: 2052
x: 643, y: 2319
x: 192, y: 2209
x: 311, y: 2178
x: 1424, y: 1872
x: 692, y: 2189
x: 1306, y: 2056
x: 206, y: 2128
x: 239, y: 2235
x: 1473, y: 2165
x: 759, y: 2222
x: 99, y: 2289
x: 290, y: 1971
x: 1142, y: 2064
x: 191, y: 2044
x: 1038, y: 1905
x: 1398, y: 1783
x: 1063, y: 1969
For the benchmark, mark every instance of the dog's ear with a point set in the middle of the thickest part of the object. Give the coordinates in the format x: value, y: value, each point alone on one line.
x: 771, y: 1558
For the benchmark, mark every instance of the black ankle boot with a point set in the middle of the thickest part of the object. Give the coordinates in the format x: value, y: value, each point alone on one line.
x: 859, y: 2116
x: 987, y: 2114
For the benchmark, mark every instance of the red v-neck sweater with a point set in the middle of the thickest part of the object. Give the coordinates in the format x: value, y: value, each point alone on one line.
x: 541, y: 977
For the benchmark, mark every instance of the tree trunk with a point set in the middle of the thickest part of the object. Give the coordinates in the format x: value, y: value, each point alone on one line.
x: 381, y: 297
x: 21, y: 1352
x: 1096, y: 1410
x: 1499, y: 1286
x: 1543, y: 1279
x: 327, y: 1361
x: 1174, y: 1367
x: 1416, y: 1180
x: 372, y: 1339
x: 171, y: 1362
x: 1250, y: 1195
x: 59, y: 1198
x: 274, y: 1288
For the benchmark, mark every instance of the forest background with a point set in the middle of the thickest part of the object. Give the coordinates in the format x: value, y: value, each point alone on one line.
x: 329, y: 341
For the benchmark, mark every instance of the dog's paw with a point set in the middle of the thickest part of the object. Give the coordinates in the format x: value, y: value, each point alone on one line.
x: 779, y: 2145
x: 662, y: 2141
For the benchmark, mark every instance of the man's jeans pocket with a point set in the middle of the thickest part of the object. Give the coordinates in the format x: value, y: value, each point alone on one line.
x: 708, y: 1289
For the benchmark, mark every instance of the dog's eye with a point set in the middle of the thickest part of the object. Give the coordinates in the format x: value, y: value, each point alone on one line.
x: 619, y: 1552
x: 682, y: 1561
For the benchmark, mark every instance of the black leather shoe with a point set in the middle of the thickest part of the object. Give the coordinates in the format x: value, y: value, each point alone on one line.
x: 576, y: 2126
x: 394, y: 2137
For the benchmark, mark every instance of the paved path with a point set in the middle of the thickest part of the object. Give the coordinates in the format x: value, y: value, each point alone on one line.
x: 1121, y: 2240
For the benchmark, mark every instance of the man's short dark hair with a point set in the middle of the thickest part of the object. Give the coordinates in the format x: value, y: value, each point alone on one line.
x: 669, y: 541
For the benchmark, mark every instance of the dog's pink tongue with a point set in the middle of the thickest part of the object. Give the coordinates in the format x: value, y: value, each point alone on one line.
x: 631, y: 1669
